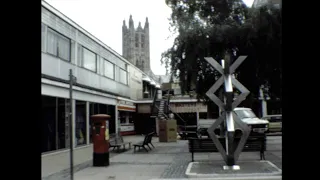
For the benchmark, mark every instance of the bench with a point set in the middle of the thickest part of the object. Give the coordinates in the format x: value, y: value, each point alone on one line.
x: 117, y: 142
x: 188, y: 134
x: 147, y: 140
x: 254, y: 143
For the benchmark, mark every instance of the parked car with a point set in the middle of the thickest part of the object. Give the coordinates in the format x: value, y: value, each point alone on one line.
x: 257, y: 126
x: 275, y: 122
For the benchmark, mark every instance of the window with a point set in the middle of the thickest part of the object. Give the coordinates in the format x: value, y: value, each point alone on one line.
x: 202, y: 115
x: 123, y: 76
x: 130, y: 118
x: 274, y: 119
x: 109, y: 69
x: 58, y: 45
x: 89, y: 60
x: 123, y: 115
x: 43, y: 37
x: 137, y: 40
x: 81, y: 125
x: 55, y: 125
x: 96, y: 108
x: 245, y: 114
x: 142, y: 40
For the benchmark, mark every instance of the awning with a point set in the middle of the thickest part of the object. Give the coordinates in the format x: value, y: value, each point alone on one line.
x: 146, y: 78
x: 153, y: 83
x: 127, y: 108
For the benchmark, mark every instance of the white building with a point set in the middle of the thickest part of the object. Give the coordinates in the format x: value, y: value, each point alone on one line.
x: 105, y: 83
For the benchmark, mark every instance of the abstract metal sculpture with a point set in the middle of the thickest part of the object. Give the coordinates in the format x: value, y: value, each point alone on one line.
x: 230, y: 154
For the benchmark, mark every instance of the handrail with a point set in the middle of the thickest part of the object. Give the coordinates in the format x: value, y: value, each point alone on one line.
x: 162, y: 113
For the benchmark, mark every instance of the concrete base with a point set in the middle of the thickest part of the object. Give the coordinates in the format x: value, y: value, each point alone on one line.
x: 248, y: 170
x: 234, y: 167
x: 230, y: 178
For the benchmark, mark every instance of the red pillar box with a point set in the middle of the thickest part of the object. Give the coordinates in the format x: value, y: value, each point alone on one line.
x: 100, y: 138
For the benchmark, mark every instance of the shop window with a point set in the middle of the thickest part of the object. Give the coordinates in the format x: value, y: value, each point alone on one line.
x: 54, y: 123
x: 130, y: 117
x: 81, y: 125
x: 96, y: 108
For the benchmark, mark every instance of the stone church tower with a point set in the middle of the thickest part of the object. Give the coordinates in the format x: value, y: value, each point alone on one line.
x: 136, y: 44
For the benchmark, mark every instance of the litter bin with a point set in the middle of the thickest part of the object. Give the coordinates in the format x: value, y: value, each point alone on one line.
x: 100, y: 138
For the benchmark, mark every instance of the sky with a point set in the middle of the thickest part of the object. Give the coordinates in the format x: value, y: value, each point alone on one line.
x: 104, y: 19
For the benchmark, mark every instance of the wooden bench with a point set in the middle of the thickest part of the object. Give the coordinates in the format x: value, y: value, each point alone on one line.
x: 188, y: 134
x: 117, y: 142
x: 150, y: 139
x: 256, y: 143
x: 147, y: 140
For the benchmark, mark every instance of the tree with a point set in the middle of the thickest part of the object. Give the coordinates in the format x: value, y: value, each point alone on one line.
x: 211, y: 28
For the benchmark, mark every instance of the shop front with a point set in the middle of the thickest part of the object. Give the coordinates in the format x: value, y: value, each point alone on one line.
x: 126, y: 114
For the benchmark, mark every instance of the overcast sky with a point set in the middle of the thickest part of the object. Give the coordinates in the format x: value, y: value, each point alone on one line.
x: 104, y: 18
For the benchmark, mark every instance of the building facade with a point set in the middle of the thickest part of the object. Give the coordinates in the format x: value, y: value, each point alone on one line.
x: 106, y: 83
x: 136, y: 44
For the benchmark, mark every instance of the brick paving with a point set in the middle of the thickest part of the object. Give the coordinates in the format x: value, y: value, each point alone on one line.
x: 165, y: 161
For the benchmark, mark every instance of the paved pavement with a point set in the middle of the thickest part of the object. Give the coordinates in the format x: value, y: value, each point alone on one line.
x: 165, y: 161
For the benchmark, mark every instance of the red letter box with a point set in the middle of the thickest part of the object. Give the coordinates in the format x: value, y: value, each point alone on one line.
x: 100, y: 138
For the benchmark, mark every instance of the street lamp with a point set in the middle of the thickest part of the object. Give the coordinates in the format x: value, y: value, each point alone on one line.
x: 263, y: 92
x: 72, y: 79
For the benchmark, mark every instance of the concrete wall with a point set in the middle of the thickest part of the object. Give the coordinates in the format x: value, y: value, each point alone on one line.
x: 58, y: 161
x: 135, y: 81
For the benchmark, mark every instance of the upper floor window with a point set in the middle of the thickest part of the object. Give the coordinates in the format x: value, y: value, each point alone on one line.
x: 43, y: 37
x: 123, y: 77
x: 58, y: 45
x: 108, y: 69
x: 89, y: 60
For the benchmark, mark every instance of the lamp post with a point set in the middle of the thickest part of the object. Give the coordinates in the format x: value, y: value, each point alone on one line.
x: 264, y: 97
x: 72, y: 79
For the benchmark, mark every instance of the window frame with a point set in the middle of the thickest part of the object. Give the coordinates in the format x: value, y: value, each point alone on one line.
x: 104, y: 69
x: 126, y: 75
x: 82, y: 59
x: 61, y: 36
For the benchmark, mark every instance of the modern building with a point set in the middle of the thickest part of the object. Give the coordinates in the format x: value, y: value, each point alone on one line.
x: 106, y: 83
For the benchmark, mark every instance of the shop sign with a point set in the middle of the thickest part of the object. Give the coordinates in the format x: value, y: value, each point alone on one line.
x: 126, y: 128
x: 122, y: 102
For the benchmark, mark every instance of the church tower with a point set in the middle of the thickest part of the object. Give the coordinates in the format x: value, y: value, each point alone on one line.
x: 136, y: 44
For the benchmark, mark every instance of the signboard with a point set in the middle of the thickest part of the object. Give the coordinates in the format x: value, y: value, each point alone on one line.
x: 126, y: 106
x: 122, y: 102
x: 126, y: 128
x: 144, y: 108
x: 188, y: 107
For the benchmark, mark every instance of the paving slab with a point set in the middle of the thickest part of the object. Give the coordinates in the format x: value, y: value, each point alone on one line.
x: 167, y: 161
x: 226, y: 178
x: 247, y: 169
